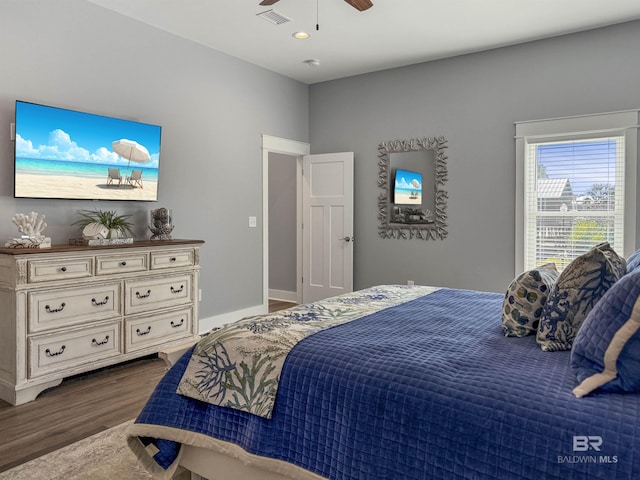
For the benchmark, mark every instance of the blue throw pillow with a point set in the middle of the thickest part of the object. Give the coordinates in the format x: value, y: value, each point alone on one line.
x: 578, y: 288
x: 525, y: 297
x: 633, y: 262
x: 606, y: 352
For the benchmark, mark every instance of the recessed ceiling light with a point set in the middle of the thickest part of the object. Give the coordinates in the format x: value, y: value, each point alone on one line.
x: 300, y: 35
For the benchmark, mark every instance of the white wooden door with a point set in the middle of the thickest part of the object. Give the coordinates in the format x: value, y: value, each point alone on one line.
x: 327, y: 225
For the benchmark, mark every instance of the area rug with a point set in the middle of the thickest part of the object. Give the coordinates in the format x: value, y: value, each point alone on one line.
x: 103, y: 456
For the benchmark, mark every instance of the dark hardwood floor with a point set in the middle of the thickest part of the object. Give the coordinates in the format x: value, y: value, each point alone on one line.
x: 80, y: 407
x: 275, y: 305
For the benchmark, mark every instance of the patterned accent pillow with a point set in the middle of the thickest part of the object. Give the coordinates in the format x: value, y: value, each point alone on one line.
x: 633, y: 262
x: 606, y: 352
x: 577, y: 290
x: 525, y: 297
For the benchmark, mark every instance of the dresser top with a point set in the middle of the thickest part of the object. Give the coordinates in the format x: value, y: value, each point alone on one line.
x: 86, y: 248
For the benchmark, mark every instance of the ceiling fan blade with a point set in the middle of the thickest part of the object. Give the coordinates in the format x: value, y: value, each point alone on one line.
x: 266, y: 3
x: 360, y: 5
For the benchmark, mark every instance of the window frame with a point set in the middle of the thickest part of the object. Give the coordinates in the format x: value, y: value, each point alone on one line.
x: 623, y: 123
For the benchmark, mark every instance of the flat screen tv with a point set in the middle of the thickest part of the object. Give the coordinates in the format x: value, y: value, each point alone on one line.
x: 67, y: 154
x: 407, y: 188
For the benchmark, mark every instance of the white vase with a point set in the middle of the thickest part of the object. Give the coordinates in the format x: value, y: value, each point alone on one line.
x: 95, y: 230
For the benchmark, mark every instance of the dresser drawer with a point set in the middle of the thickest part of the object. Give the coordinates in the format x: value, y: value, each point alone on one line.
x: 59, y: 269
x: 131, y: 262
x: 155, y: 330
x: 152, y: 293
x: 69, y: 306
x: 50, y: 353
x: 172, y: 259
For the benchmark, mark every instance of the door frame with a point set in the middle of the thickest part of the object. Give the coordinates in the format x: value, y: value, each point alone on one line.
x: 296, y: 149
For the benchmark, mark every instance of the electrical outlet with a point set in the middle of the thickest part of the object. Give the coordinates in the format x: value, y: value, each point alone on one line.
x: 253, y: 222
x: 411, y: 283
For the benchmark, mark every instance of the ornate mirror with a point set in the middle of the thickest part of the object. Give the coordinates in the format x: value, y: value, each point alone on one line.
x: 413, y: 202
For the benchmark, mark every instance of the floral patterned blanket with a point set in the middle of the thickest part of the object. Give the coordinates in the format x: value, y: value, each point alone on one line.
x: 239, y: 365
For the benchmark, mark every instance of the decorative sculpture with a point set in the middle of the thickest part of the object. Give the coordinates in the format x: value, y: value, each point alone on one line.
x: 161, y: 224
x: 30, y: 225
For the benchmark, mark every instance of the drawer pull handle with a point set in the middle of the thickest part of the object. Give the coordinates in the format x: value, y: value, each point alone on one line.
x: 172, y: 259
x: 123, y: 264
x: 98, y: 304
x: 176, y: 325
x: 146, y: 332
x: 55, y: 354
x: 63, y: 269
x: 54, y: 310
x: 143, y: 295
x: 173, y: 290
x: 97, y: 343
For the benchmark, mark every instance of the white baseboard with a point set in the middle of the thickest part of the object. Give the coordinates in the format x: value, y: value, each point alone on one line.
x: 206, y: 324
x: 283, y: 295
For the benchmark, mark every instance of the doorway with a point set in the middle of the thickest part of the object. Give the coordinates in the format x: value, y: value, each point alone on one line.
x: 324, y: 207
x: 280, y: 149
x: 284, y: 228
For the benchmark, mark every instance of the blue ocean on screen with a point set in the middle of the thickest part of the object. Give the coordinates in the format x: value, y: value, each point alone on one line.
x: 80, y: 169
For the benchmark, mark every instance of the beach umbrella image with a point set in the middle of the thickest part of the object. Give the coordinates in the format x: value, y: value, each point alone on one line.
x: 131, y: 150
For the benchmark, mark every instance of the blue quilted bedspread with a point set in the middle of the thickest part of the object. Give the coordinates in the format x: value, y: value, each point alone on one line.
x: 426, y: 390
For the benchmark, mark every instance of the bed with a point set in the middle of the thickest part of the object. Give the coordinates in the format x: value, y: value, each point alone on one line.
x: 424, y: 385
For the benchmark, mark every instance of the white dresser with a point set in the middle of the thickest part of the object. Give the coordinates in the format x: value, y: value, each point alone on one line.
x: 70, y: 309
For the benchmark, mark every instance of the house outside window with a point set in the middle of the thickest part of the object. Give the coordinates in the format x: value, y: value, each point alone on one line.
x: 575, y: 187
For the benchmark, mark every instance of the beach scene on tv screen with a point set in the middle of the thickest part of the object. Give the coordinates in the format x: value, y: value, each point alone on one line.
x: 69, y: 154
x: 408, y: 188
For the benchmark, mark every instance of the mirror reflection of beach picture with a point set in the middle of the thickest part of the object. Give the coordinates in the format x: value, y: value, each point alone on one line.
x: 408, y: 188
x: 68, y: 154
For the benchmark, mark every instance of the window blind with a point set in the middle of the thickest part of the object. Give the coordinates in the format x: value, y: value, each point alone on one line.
x: 574, y: 198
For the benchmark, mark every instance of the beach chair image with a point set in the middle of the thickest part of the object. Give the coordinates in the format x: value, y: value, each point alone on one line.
x: 114, y: 174
x: 135, y: 179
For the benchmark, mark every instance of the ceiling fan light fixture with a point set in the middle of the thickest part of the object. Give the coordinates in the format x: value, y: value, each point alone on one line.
x: 300, y: 35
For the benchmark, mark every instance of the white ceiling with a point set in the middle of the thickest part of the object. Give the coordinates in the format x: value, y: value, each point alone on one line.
x: 390, y: 34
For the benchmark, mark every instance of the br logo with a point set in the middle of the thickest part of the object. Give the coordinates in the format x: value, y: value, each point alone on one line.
x: 583, y: 443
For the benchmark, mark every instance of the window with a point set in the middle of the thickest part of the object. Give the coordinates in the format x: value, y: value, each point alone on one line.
x: 576, y: 182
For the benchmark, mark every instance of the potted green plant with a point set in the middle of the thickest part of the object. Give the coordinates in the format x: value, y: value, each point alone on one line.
x: 118, y: 226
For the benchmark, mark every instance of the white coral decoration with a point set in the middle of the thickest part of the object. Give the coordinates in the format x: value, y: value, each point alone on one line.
x: 31, y: 224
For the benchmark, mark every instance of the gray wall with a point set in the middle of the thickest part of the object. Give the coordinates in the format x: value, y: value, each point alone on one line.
x: 283, y: 224
x: 213, y: 109
x: 473, y: 101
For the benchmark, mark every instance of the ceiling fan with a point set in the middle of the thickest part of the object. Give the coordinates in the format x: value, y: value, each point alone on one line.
x: 360, y: 5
